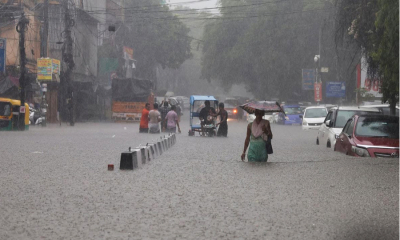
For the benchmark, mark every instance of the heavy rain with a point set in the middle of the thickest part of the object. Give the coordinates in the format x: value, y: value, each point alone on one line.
x: 199, y: 119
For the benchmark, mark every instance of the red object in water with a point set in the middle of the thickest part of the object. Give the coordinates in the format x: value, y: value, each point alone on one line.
x: 110, y: 167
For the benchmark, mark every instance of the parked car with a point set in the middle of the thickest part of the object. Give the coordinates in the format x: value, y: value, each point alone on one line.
x: 232, y: 110
x: 370, y: 136
x: 268, y: 116
x: 292, y: 116
x: 384, y: 108
x: 334, y: 122
x: 313, y: 117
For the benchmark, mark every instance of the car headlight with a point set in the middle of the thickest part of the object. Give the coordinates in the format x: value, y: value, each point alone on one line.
x: 304, y: 122
x: 362, y: 152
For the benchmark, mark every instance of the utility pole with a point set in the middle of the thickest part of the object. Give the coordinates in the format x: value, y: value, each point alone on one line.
x: 45, y: 29
x: 21, y: 28
x: 69, y: 61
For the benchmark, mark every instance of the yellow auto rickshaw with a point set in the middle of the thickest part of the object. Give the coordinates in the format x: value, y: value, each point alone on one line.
x: 9, y: 114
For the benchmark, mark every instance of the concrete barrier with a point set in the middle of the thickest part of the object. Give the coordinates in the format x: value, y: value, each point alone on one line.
x: 160, y: 148
x: 128, y: 160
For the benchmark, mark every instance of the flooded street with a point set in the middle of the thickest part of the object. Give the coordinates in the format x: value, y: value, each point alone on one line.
x: 55, y: 185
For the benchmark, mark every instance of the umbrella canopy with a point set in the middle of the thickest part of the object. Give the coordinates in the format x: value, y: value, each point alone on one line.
x: 266, y: 106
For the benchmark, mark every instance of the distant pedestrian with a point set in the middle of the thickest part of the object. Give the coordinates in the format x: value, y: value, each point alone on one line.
x: 172, y: 120
x: 223, y: 124
x: 258, y: 132
x: 163, y: 111
x: 178, y: 111
x: 144, y: 120
x: 154, y: 120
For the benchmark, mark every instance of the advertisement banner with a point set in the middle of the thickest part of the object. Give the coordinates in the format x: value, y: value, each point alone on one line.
x: 128, y: 53
x: 308, y: 77
x: 56, y: 66
x: 335, y: 89
x: 372, y: 85
x: 2, y: 55
x: 45, y: 69
x: 318, y: 92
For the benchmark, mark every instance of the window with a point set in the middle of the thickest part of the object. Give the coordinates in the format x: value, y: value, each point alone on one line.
x: 328, y: 117
x: 315, y: 113
x: 378, y: 127
x: 350, y: 128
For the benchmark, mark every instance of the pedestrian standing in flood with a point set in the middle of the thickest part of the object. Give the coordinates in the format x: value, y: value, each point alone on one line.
x: 164, y: 111
x: 154, y: 120
x: 172, y: 120
x: 144, y: 120
x: 223, y: 124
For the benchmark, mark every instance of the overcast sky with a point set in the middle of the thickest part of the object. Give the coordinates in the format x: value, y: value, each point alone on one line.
x: 195, y: 3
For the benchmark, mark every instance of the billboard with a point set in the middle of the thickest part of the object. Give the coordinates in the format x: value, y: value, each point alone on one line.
x: 44, y: 69
x: 2, y: 55
x: 56, y: 66
x: 308, y: 77
x: 335, y: 89
x: 318, y: 92
x: 372, y: 85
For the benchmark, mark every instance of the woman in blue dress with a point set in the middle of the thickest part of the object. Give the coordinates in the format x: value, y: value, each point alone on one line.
x: 257, y: 131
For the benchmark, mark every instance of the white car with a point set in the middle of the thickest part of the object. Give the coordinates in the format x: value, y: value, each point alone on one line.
x: 334, y: 122
x: 313, y: 117
x: 384, y: 108
x: 268, y: 116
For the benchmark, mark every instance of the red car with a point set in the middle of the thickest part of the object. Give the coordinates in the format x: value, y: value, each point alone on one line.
x: 370, y: 136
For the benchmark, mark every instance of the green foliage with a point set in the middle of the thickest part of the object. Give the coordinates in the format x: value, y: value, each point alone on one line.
x: 156, y: 36
x: 264, y: 45
x: 374, y: 26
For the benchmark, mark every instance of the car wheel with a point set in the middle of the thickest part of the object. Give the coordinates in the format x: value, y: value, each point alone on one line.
x: 328, y: 144
x: 317, y: 141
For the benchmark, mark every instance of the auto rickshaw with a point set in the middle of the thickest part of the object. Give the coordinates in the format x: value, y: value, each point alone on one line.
x: 196, y: 104
x: 9, y: 114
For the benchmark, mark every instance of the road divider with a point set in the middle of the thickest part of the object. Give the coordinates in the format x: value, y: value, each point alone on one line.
x: 139, y: 156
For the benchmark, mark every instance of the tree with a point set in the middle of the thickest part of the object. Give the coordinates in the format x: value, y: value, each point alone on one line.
x: 266, y: 44
x: 156, y: 36
x: 374, y: 26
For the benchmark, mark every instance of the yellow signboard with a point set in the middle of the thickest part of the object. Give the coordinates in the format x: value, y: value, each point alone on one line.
x: 45, y: 69
x: 56, y: 66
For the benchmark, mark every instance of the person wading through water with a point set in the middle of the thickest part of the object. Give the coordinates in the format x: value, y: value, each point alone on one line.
x: 257, y: 133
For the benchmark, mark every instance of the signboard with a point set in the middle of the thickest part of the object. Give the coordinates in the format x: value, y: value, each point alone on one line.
x: 335, y: 89
x: 2, y: 55
x: 372, y: 85
x: 56, y: 66
x: 128, y: 53
x: 324, y: 69
x: 308, y: 79
x: 22, y: 109
x: 45, y: 69
x: 318, y: 92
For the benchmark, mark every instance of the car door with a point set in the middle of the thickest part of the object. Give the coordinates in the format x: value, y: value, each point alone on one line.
x: 323, y: 130
x: 339, y: 146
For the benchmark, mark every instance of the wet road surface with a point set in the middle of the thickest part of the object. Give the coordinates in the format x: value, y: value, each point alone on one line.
x: 54, y: 184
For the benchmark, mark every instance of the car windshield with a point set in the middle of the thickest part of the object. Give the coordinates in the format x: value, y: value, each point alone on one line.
x: 5, y: 109
x: 293, y: 110
x: 344, y: 115
x: 378, y: 127
x: 316, y: 113
x: 227, y: 105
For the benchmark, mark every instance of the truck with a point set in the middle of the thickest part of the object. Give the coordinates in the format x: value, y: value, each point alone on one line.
x: 129, y: 96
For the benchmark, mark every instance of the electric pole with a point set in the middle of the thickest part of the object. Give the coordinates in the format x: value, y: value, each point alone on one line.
x: 69, y: 61
x: 21, y: 28
x: 45, y: 29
